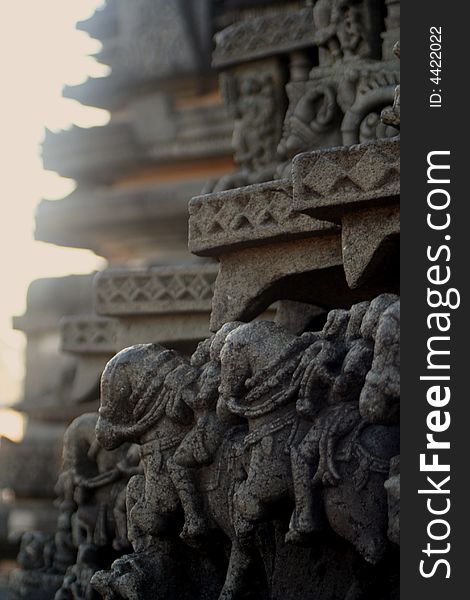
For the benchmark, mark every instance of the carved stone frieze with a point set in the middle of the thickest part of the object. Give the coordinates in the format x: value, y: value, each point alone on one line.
x: 91, y: 527
x: 357, y: 188
x: 88, y: 334
x: 365, y: 92
x: 392, y: 28
x: 155, y: 290
x: 326, y: 180
x: 346, y: 29
x: 268, y: 236
x: 263, y: 36
x: 92, y: 341
x: 232, y: 456
x: 339, y: 105
x: 250, y: 449
x: 213, y: 433
x: 169, y: 305
x: 391, y: 115
x: 252, y: 215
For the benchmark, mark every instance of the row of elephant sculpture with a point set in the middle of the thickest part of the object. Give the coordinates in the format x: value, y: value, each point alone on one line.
x: 197, y: 472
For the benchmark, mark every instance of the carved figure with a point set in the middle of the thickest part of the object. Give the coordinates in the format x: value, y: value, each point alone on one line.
x: 96, y: 479
x: 313, y: 119
x: 391, y: 116
x: 339, y: 29
x: 380, y: 397
x: 200, y: 445
x: 334, y: 378
x: 35, y: 578
x: 142, y: 400
x: 259, y: 420
x: 274, y: 428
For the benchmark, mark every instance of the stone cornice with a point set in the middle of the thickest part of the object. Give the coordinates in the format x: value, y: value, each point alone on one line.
x: 326, y: 181
x: 264, y: 36
x: 248, y: 216
x: 153, y: 291
x: 88, y: 334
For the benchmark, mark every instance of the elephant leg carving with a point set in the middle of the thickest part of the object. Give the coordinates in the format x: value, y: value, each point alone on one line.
x: 241, y: 560
x: 196, y: 524
x: 308, y: 517
x: 120, y: 542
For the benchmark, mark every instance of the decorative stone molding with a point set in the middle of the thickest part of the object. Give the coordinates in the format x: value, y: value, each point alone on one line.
x: 357, y: 188
x: 212, y: 433
x: 263, y: 36
x: 325, y: 181
x: 155, y: 290
x: 248, y: 216
x: 267, y: 235
x: 88, y: 334
x: 259, y: 460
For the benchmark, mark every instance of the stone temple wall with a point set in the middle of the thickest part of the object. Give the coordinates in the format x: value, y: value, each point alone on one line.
x: 247, y: 439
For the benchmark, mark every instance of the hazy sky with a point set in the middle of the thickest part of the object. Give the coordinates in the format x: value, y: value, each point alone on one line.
x: 40, y: 52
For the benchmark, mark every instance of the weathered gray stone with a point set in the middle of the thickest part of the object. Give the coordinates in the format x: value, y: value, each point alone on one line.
x: 155, y: 290
x: 391, y: 116
x: 346, y: 30
x: 251, y: 388
x: 168, y: 305
x: 251, y: 279
x: 357, y: 188
x: 259, y: 461
x: 88, y: 334
x: 92, y: 341
x: 255, y: 95
x: 91, y: 522
x: 255, y: 38
x: 392, y: 485
x: 326, y: 180
x: 298, y: 317
x: 245, y: 217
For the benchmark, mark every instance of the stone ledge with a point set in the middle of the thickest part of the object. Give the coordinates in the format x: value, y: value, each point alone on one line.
x: 159, y: 290
x: 88, y: 334
x: 357, y: 188
x: 325, y: 181
x: 264, y: 36
x: 247, y: 216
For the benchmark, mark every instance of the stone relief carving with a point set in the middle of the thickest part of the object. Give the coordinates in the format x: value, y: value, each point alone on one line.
x: 338, y: 106
x: 92, y: 525
x: 258, y: 37
x: 88, y: 333
x: 345, y: 29
x: 152, y: 290
x: 235, y: 217
x: 336, y: 100
x: 260, y: 430
x: 311, y: 120
x: 266, y: 460
x: 261, y: 440
x: 256, y: 97
x: 391, y: 116
x: 339, y: 102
